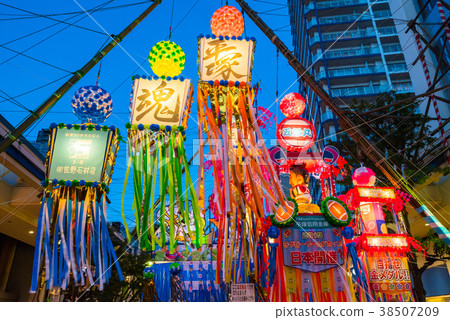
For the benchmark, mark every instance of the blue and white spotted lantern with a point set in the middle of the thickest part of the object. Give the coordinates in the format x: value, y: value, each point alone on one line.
x: 92, y: 103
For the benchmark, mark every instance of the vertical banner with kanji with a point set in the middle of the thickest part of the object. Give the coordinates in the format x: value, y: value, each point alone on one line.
x: 78, y: 155
x: 312, y: 244
x: 158, y: 101
x: 229, y: 60
x: 388, y: 272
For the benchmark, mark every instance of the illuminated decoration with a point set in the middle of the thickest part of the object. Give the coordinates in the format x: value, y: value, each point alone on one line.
x: 379, y: 257
x: 224, y: 59
x: 306, y: 245
x: 292, y: 105
x: 330, y: 154
x: 364, y: 177
x: 159, y: 113
x: 296, y: 134
x: 367, y: 194
x: 277, y: 155
x: 394, y: 243
x: 92, y: 104
x: 246, y: 193
x: 389, y: 275
x: 158, y: 101
x: 79, y: 165
x: 167, y: 59
x: 284, y: 217
x: 227, y: 21
x: 336, y: 212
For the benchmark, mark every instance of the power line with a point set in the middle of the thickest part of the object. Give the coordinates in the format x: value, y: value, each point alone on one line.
x: 36, y: 15
x: 52, y: 35
x: 43, y: 16
x: 35, y: 59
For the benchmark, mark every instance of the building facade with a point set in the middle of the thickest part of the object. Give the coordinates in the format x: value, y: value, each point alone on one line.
x: 21, y: 172
x: 352, y: 48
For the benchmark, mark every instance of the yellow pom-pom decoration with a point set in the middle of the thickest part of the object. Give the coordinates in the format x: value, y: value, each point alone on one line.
x: 167, y: 59
x: 227, y: 21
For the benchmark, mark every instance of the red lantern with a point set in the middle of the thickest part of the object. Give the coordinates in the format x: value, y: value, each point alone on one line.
x: 296, y: 134
x: 227, y: 21
x: 292, y: 105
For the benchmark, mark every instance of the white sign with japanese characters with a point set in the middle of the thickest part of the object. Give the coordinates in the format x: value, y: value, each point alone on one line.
x: 157, y: 101
x: 229, y: 60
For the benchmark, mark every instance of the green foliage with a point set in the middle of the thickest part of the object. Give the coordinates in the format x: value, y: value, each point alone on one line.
x: 395, y: 131
x: 438, y: 246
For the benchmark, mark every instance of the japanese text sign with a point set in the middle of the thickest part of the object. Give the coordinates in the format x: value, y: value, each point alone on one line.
x: 312, y: 244
x: 157, y: 101
x: 243, y: 292
x: 78, y: 155
x: 229, y: 60
x: 296, y: 134
x: 389, y: 274
x: 384, y: 193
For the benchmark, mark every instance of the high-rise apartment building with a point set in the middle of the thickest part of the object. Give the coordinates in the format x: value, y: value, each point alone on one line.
x: 352, y: 47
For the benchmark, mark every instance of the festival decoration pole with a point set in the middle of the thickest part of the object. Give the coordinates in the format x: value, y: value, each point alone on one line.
x: 382, y: 257
x: 72, y: 240
x: 245, y: 182
x: 48, y: 104
x: 347, y: 125
x: 160, y: 108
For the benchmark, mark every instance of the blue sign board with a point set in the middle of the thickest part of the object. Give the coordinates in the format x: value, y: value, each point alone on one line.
x: 312, y: 244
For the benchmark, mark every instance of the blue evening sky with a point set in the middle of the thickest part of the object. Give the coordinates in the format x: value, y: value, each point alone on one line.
x: 68, y: 48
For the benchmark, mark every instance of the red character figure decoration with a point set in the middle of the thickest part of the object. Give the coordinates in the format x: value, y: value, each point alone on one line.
x: 299, y: 179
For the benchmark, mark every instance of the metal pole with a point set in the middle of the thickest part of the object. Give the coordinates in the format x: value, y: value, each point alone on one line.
x: 48, y: 104
x: 371, y: 151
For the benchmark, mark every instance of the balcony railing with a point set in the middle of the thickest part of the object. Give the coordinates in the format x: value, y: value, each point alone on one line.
x: 392, y: 48
x: 338, y: 19
x: 359, y: 91
x: 382, y: 14
x: 348, y: 52
x: 403, y: 87
x: 397, y: 67
x: 350, y: 71
x: 385, y: 31
x: 331, y: 36
x: 334, y: 4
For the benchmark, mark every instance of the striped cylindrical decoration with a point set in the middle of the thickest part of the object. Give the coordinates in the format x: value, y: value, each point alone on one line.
x: 443, y: 19
x: 433, y: 97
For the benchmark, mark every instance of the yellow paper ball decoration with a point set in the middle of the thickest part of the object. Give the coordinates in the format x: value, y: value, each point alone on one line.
x: 167, y: 59
x: 227, y: 21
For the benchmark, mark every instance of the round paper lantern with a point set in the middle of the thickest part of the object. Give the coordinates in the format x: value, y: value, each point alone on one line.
x: 292, y: 105
x: 92, y: 104
x: 296, y: 134
x: 227, y: 21
x: 167, y: 59
x: 364, y: 177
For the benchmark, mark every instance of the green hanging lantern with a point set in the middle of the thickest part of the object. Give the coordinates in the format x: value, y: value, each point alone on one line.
x: 167, y: 59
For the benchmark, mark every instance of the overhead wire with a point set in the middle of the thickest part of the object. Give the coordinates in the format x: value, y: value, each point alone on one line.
x: 53, y: 19
x: 52, y: 35
x: 36, y: 15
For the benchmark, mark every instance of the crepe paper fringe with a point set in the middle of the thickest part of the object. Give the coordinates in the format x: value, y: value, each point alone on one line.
x: 72, y: 240
x: 154, y: 152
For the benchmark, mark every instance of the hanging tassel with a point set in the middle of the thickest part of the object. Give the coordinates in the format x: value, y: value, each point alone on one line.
x: 177, y: 293
x: 273, y: 233
x: 149, y: 294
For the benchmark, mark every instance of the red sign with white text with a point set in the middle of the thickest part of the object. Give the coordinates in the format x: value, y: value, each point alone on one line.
x: 296, y: 134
